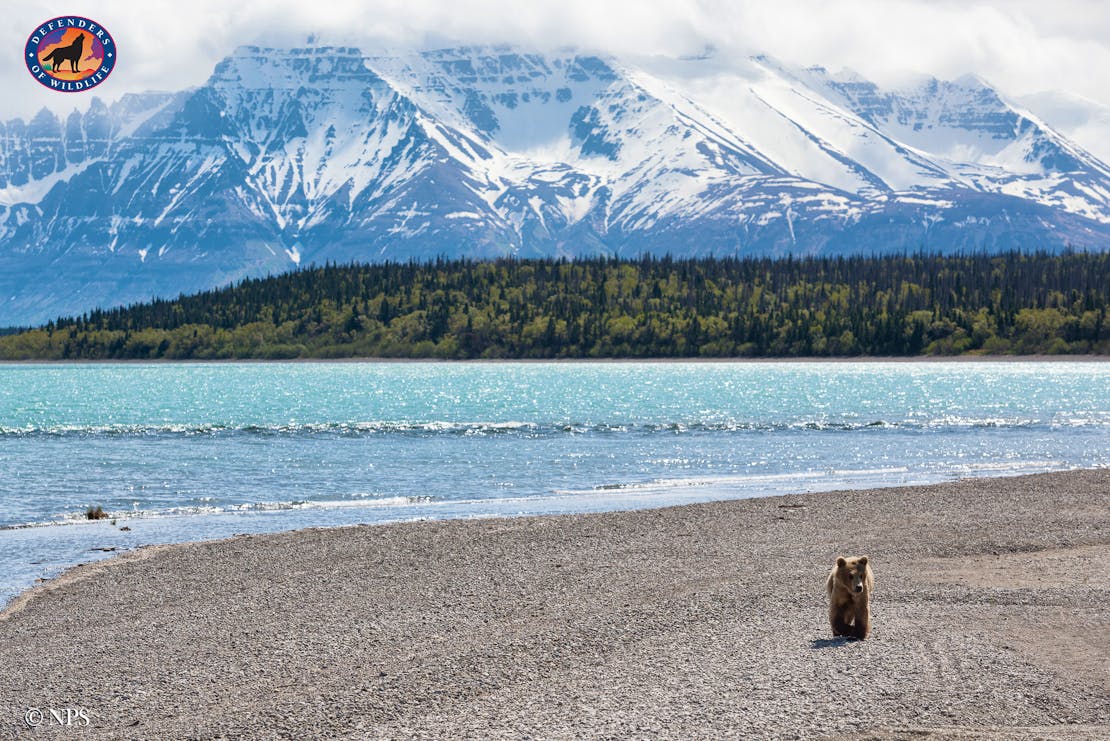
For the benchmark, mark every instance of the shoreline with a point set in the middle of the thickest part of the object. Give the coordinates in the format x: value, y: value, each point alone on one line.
x: 990, y: 619
x: 1089, y: 358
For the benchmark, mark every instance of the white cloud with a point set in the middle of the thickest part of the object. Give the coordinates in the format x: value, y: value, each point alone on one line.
x: 1022, y: 46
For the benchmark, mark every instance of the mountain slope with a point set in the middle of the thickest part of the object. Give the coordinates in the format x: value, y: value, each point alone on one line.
x: 286, y: 157
x: 1082, y: 121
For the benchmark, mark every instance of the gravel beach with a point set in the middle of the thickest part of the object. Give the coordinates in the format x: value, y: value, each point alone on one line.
x: 991, y: 619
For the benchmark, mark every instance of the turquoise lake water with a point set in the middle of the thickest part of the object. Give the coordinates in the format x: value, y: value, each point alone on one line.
x: 182, y: 452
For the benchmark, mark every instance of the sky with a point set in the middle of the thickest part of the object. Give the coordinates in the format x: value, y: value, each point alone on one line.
x: 1020, y: 46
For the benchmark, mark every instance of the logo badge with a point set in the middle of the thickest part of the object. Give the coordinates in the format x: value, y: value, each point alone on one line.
x: 70, y: 54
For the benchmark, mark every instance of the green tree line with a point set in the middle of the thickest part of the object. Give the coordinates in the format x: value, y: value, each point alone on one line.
x: 903, y: 305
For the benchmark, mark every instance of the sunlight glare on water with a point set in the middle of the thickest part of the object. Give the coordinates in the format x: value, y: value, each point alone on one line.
x: 189, y: 451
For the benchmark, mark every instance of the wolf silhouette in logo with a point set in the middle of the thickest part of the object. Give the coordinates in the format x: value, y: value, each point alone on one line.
x: 71, y: 54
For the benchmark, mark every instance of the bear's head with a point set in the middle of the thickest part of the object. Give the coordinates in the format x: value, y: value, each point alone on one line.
x: 851, y: 572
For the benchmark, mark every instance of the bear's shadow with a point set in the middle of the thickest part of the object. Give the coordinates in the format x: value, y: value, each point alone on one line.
x: 831, y: 642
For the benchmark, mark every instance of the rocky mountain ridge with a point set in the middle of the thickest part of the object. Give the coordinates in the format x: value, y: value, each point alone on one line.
x: 286, y: 157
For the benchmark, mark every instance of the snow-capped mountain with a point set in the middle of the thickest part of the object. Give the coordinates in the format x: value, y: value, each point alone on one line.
x: 1081, y: 120
x: 287, y: 157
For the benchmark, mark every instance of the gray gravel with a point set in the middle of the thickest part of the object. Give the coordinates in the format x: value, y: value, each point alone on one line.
x: 990, y: 620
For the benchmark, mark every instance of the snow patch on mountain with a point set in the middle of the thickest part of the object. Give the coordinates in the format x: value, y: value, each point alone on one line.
x: 286, y: 157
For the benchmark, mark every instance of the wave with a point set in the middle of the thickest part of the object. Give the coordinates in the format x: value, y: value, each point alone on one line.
x: 741, y: 480
x: 253, y: 429
x: 822, y: 479
x: 79, y: 518
x: 521, y: 428
x: 622, y: 492
x: 612, y: 495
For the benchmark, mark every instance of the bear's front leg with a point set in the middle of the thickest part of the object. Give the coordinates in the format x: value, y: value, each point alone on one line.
x: 840, y: 626
x: 862, y: 620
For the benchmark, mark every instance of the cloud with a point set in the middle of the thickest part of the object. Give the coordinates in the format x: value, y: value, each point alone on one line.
x: 1022, y: 46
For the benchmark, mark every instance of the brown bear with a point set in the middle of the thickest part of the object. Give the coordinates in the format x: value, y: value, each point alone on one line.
x: 849, y: 587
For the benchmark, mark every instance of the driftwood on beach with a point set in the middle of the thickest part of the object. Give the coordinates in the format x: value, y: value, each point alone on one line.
x: 990, y: 619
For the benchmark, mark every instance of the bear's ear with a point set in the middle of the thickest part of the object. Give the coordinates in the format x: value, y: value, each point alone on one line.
x: 840, y: 562
x: 863, y: 560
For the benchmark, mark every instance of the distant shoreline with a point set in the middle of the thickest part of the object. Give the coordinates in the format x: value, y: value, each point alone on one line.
x: 929, y: 359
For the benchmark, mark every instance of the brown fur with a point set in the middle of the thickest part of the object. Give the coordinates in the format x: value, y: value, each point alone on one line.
x: 849, y: 586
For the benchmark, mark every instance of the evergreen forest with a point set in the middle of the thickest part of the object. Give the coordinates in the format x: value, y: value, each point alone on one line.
x: 648, y: 307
